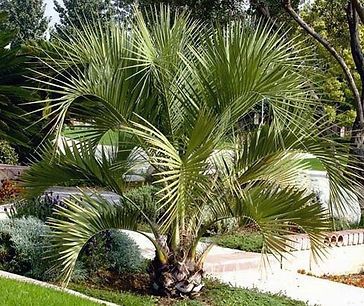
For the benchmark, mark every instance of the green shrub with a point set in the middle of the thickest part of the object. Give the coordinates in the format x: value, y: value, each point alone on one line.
x: 113, y: 251
x: 7, y: 154
x: 23, y: 243
x: 24, y: 246
x: 146, y: 198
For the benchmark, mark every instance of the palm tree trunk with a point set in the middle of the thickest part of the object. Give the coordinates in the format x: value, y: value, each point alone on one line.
x: 176, y: 278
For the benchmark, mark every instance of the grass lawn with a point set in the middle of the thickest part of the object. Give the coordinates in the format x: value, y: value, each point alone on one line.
x: 249, y: 241
x: 81, y: 132
x: 214, y: 294
x: 16, y: 293
x: 315, y: 164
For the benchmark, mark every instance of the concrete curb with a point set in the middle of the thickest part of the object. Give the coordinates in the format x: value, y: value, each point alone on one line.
x: 24, y: 279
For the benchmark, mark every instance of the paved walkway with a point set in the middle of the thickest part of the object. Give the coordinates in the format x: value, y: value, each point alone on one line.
x: 246, y: 270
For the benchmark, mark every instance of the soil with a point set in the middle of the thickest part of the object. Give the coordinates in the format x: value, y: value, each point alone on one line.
x: 132, y: 282
x: 352, y: 279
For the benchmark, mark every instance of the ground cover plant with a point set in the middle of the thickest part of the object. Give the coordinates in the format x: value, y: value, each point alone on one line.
x: 39, y: 207
x: 177, y: 90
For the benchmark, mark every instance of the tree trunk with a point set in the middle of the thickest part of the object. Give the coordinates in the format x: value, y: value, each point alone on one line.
x: 357, y: 138
x: 357, y: 143
x: 176, y: 278
x: 353, y: 8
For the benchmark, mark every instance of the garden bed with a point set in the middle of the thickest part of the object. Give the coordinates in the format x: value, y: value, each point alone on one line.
x: 134, y: 290
x: 130, y: 290
x: 351, y: 279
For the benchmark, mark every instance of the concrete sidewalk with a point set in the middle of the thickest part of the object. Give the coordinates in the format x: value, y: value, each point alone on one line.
x: 309, y: 289
x: 247, y: 270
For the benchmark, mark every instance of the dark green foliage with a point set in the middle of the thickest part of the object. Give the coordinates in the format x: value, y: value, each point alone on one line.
x: 20, y: 130
x: 27, y: 18
x: 205, y: 10
x: 223, y: 227
x: 7, y: 154
x: 270, y: 8
x: 250, y: 242
x: 146, y: 198
x: 73, y: 13
x: 112, y: 251
x: 361, y: 223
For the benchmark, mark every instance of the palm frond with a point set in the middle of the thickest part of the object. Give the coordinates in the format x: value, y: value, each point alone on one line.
x: 77, y: 220
x: 181, y: 173
x: 75, y: 163
x: 275, y: 211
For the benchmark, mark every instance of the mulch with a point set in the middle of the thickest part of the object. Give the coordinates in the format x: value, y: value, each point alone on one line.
x: 352, y: 279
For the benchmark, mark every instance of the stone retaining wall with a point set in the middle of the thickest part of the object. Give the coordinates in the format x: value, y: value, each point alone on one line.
x: 331, y: 239
x: 11, y: 172
x: 344, y: 254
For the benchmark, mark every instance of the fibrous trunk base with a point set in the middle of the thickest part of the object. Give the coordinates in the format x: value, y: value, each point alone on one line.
x: 176, y: 278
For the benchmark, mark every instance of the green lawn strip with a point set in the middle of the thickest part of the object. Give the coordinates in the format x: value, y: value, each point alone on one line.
x: 17, y: 293
x: 315, y: 164
x: 221, y: 294
x: 117, y: 297
x: 249, y: 242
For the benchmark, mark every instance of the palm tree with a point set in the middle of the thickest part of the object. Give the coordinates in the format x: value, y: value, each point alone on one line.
x: 178, y: 90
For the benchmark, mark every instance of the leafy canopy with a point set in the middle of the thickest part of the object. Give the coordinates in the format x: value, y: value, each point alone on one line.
x: 27, y: 17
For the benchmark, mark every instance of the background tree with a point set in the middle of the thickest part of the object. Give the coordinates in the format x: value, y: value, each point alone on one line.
x: 206, y: 10
x: 21, y: 131
x: 271, y: 9
x: 328, y: 18
x: 27, y: 18
x: 354, y: 13
x: 73, y: 13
